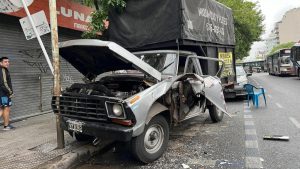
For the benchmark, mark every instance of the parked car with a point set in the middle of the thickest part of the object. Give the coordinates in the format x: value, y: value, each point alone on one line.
x: 138, y: 97
x: 236, y: 90
x: 241, y: 79
x: 242, y: 76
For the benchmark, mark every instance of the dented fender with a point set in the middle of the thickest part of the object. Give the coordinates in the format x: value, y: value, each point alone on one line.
x: 214, y: 93
x: 155, y: 109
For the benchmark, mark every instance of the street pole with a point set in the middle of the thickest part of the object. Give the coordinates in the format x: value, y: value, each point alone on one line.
x: 56, y: 64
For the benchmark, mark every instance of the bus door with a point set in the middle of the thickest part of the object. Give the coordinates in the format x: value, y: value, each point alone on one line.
x: 284, y: 62
x: 276, y: 64
x: 295, y: 55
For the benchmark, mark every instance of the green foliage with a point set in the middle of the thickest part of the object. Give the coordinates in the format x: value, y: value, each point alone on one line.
x: 101, y: 13
x: 287, y: 45
x: 247, y: 24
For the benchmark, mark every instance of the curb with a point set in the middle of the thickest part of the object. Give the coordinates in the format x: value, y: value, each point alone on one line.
x: 75, y: 157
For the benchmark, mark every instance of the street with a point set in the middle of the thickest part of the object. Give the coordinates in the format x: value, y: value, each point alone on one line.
x: 235, y: 142
x: 119, y: 84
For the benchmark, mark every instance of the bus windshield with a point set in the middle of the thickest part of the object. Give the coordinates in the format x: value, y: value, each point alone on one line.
x: 285, y: 59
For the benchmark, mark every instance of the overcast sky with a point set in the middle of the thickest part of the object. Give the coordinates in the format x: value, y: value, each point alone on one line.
x: 273, y: 10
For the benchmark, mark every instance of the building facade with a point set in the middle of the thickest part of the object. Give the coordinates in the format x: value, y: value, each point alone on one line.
x: 31, y: 77
x: 289, y: 27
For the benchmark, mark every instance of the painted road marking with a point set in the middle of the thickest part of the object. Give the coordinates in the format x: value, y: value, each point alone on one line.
x: 247, y: 111
x: 248, y: 116
x: 295, y: 122
x: 251, y: 144
x: 253, y: 162
x: 279, y: 105
x: 249, y: 123
x: 250, y: 131
x: 252, y: 156
x: 250, y: 137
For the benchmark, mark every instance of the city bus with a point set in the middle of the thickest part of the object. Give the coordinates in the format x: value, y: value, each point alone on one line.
x: 254, y: 66
x: 279, y: 63
x: 295, y: 57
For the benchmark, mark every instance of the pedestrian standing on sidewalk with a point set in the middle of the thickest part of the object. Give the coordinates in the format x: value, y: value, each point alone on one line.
x: 6, y: 92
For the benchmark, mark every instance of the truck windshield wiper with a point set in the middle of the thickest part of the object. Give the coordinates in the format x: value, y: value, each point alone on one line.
x: 164, y: 68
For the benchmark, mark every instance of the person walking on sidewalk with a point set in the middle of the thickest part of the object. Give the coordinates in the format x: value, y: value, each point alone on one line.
x: 6, y: 92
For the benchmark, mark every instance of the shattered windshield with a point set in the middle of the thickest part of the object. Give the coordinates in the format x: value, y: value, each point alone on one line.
x: 163, y: 62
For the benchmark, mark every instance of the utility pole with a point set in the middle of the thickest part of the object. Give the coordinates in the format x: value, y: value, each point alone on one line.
x: 56, y: 64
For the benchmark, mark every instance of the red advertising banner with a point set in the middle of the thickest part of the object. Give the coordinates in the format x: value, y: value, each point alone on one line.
x: 70, y: 15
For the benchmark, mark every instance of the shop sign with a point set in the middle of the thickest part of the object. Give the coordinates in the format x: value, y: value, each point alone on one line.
x: 69, y: 14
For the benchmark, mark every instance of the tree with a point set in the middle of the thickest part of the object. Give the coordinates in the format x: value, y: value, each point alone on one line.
x: 247, y: 24
x: 287, y: 45
x: 100, y: 15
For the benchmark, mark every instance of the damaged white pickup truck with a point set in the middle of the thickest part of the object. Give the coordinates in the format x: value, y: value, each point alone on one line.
x: 138, y: 97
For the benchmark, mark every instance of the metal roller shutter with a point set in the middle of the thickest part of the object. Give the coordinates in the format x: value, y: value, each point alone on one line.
x: 31, y: 77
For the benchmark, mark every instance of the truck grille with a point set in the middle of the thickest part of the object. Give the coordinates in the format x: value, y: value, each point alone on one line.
x: 81, y: 107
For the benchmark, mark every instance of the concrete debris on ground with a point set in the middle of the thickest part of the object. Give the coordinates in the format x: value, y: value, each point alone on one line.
x: 185, y: 166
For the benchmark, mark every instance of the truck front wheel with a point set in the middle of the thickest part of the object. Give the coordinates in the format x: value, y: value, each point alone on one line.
x: 216, y: 114
x: 153, y: 142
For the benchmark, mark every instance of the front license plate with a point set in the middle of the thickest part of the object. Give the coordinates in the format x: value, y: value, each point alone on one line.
x: 75, y: 125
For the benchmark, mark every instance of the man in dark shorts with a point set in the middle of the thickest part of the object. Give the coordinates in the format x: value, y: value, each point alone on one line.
x: 6, y: 92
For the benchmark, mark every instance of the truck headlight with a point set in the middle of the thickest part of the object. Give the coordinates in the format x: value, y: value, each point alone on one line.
x: 117, y: 109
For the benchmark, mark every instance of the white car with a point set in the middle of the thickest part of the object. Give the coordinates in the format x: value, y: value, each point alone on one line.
x: 241, y: 76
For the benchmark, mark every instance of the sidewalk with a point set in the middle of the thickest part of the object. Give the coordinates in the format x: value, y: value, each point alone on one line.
x: 33, y: 143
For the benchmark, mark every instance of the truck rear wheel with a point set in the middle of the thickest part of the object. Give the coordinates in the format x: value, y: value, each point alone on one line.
x: 216, y: 114
x: 153, y: 142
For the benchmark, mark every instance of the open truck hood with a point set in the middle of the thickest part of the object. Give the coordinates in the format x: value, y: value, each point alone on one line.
x: 93, y: 57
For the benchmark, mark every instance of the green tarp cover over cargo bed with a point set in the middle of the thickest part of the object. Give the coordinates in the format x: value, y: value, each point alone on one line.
x: 146, y: 22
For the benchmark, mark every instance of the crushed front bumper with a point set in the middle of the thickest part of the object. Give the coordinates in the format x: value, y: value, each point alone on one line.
x: 101, y: 130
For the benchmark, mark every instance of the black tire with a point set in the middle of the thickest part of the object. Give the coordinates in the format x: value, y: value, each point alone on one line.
x: 216, y: 114
x: 148, y: 151
x: 83, y: 137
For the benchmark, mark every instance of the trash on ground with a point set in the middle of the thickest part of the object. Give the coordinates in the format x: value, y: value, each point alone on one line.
x: 276, y: 137
x: 185, y: 166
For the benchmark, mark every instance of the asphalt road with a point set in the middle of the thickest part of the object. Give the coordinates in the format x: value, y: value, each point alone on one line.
x: 236, y: 142
x: 280, y: 117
